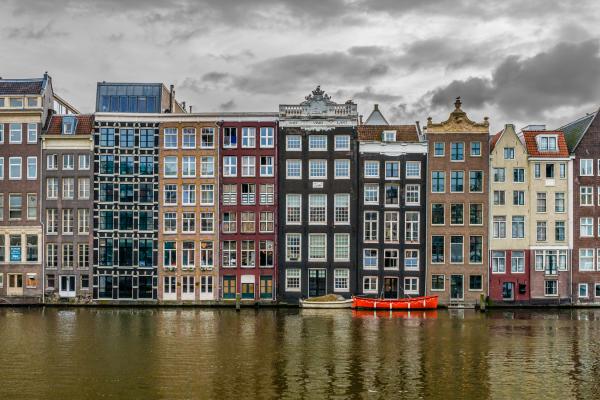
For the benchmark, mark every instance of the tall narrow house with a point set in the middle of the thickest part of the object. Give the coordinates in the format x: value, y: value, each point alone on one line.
x: 458, y: 163
x: 248, y: 206
x: 317, y: 198
x: 583, y: 140
x: 67, y: 199
x: 126, y: 207
x: 25, y: 107
x: 392, y: 207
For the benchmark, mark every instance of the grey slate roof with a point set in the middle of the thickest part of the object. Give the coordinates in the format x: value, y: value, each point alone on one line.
x: 21, y: 86
x: 575, y: 130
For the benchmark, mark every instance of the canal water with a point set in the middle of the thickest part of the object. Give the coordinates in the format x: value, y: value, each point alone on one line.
x: 185, y: 353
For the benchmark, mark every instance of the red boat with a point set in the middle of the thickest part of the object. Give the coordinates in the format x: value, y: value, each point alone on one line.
x: 409, y: 303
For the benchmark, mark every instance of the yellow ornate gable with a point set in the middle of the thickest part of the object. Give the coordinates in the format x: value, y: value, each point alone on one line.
x: 458, y: 122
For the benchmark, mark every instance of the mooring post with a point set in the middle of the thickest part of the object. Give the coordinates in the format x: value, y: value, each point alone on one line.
x: 238, y: 301
x: 482, y: 302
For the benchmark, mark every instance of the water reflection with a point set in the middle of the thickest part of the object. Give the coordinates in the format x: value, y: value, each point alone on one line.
x: 218, y: 353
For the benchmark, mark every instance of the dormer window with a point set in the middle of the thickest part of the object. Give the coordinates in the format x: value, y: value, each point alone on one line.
x: 32, y: 102
x: 16, y: 102
x: 68, y: 126
x: 389, y: 136
x: 547, y: 143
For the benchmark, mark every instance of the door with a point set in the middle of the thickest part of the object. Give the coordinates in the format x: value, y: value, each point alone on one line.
x: 67, y: 286
x: 188, y: 289
x: 317, y: 282
x: 456, y: 287
x: 169, y: 288
x: 15, y: 285
x: 229, y: 287
x: 266, y: 288
x: 508, y: 291
x: 390, y: 288
x: 206, y: 288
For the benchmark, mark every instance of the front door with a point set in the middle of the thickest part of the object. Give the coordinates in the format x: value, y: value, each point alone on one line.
x: 266, y: 287
x: 67, y: 286
x: 390, y: 288
x: 317, y: 282
x: 206, y: 288
x: 15, y: 285
x: 508, y: 291
x: 456, y: 287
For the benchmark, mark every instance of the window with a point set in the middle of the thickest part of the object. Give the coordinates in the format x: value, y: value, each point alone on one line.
x: 248, y: 222
x: 107, y: 164
x: 266, y: 221
x: 188, y: 222
x: 475, y: 282
x: 68, y: 161
x: 292, y: 247
x: 146, y: 138
x: 52, y: 188
x: 51, y: 161
x: 126, y: 138
x: 586, y: 259
x: 188, y: 250
x: 248, y: 193
x: 67, y: 221
x: 437, y: 249
x: 317, y: 169
x: 518, y: 198
x: 582, y: 290
x: 125, y: 220
x: 541, y: 202
x: 391, y: 221
x: 146, y: 165
x: 293, y: 169
x: 537, y: 171
x: 267, y: 137
x: 15, y: 248
x: 341, y: 248
x: 476, y: 181
x: 411, y: 227
x: 267, y: 193
x: 371, y: 219
x: 170, y: 222
x: 107, y: 137
x: 229, y: 222
x: 188, y: 194
x: 456, y: 181
x: 456, y: 214
x: 188, y: 164
x: 369, y: 284
x: 170, y: 254
x: 411, y: 260
x: 67, y: 256
x: 412, y: 194
x: 371, y: 169
x: 146, y: 221
x: 437, y: 282
x: 499, y: 227
x: 475, y: 149
x: 517, y: 262
x: 292, y: 279
x: 266, y: 166
x: 341, y: 169
x: 207, y: 166
x: 68, y: 188
x: 317, y: 143
x: 411, y: 285
x: 229, y: 253
x: 498, y: 262
x: 392, y: 195
x: 341, y: 210
x: 499, y: 174
x: 437, y: 181
x: 475, y: 214
x: 559, y: 202
x: 206, y: 222
x: 106, y: 192
x: 15, y: 205
x: 341, y: 280
x: 437, y: 214
x: 541, y: 231
x: 546, y: 143
x: 550, y: 171
x: 248, y: 254
x: 105, y: 252
x: 207, y: 138
x: 207, y: 194
x: 248, y: 137
x: 230, y: 137
x: 562, y: 167
x: 265, y: 256
x: 438, y: 149
x: 551, y: 288
x: 586, y: 167
x: 388, y: 136
x: 371, y: 195
x: 51, y: 221
x: 413, y: 169
x: 317, y: 208
x: 126, y: 165
x: 15, y: 134
x: 31, y: 168
x: 370, y: 259
x: 189, y: 138
x: 586, y: 227
x: 509, y: 153
x: 518, y: 175
x: 170, y: 194
x: 230, y: 194
x: 83, y: 221
x: 457, y: 151
x: 586, y: 196
x: 248, y: 166
x: 14, y: 168
x: 341, y: 142
x: 559, y: 230
x: 476, y: 249
x: 293, y: 143
x: 518, y: 227
x: 170, y: 135
x: 170, y: 167
x: 229, y: 166
x: 293, y: 208
x: 51, y: 254
x: 392, y: 170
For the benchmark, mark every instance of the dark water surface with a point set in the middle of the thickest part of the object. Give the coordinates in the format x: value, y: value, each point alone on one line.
x: 118, y: 353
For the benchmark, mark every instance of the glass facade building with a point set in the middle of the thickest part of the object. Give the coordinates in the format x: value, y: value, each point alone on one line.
x: 129, y: 97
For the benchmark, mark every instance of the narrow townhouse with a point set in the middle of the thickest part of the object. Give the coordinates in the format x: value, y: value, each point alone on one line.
x: 392, y: 204
x: 583, y: 140
x: 457, y: 248
x: 248, y: 206
x: 549, y: 197
x: 188, y: 208
x: 510, y: 202
x: 67, y: 199
x: 318, y: 198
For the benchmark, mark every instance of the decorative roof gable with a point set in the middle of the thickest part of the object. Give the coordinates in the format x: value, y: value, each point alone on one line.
x: 458, y: 122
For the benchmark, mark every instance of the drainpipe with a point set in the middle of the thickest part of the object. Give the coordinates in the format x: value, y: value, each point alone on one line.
x: 41, y: 242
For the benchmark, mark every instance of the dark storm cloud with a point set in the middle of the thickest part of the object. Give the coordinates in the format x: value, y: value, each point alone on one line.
x: 565, y: 75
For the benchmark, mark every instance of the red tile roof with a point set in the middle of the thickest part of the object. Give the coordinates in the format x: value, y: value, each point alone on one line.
x: 494, y: 140
x: 85, y: 124
x: 532, y: 148
x: 404, y: 133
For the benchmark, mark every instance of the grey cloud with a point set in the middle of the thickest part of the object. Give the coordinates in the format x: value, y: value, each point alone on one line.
x: 369, y: 94
x: 31, y: 33
x: 228, y: 105
x: 215, y: 77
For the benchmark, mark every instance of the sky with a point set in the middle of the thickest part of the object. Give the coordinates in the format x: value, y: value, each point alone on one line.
x: 514, y: 61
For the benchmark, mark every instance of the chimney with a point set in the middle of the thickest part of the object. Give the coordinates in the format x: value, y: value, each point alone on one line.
x: 376, y: 108
x: 171, y: 97
x: 183, y: 105
x: 190, y: 109
x: 360, y: 121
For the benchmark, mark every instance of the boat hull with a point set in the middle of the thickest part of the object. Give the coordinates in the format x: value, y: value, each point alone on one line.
x: 326, y: 304
x: 414, y: 303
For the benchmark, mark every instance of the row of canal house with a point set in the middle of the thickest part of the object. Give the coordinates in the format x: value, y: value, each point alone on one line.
x: 146, y: 201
